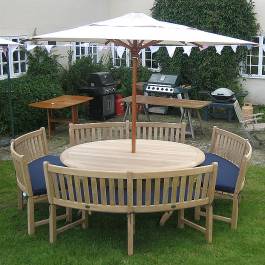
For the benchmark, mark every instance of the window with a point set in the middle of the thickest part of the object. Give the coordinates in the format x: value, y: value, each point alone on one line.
x: 255, y: 62
x: 146, y: 59
x: 149, y: 60
x: 3, y: 65
x: 86, y: 49
x: 124, y: 61
x: 17, y: 61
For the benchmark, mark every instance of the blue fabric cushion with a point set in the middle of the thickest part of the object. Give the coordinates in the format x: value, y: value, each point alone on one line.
x: 227, y: 172
x: 36, y: 173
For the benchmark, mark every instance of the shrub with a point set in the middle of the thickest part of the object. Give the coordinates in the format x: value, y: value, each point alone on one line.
x: 26, y: 90
x: 208, y: 70
x: 41, y: 63
x: 123, y: 74
x: 77, y: 75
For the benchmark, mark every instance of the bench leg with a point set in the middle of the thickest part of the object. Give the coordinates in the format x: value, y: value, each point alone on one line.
x: 20, y: 202
x: 130, y: 233
x: 52, y: 223
x: 31, y: 221
x: 197, y: 214
x: 69, y: 216
x: 209, y: 223
x: 165, y: 217
x: 234, y: 213
x: 181, y: 218
x: 85, y: 219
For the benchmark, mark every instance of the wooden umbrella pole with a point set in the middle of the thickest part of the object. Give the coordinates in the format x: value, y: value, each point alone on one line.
x: 135, y: 57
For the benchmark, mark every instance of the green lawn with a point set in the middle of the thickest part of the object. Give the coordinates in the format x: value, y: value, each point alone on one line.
x: 105, y: 241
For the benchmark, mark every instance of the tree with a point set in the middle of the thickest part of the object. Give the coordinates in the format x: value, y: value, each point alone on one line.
x: 207, y: 70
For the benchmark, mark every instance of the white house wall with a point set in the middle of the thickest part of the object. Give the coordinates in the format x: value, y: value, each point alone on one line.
x: 22, y: 17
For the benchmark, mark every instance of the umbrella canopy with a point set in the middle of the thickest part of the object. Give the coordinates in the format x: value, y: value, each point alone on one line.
x: 138, y: 26
x: 137, y: 31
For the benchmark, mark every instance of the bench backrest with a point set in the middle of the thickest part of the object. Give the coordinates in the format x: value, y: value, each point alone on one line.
x: 163, y: 131
x: 238, y: 112
x: 25, y: 149
x: 90, y: 132
x: 130, y: 192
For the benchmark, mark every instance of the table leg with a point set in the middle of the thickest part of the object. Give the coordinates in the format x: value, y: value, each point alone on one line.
x: 200, y: 120
x: 126, y: 111
x: 75, y: 114
x: 146, y: 112
x: 49, y: 115
x: 190, y: 124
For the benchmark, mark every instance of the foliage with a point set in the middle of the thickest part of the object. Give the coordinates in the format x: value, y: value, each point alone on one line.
x: 123, y: 76
x: 77, y: 74
x: 207, y: 70
x: 25, y: 90
x: 41, y: 63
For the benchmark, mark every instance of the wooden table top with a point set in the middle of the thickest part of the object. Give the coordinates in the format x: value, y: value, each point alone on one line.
x: 60, y: 102
x: 115, y: 155
x: 169, y: 102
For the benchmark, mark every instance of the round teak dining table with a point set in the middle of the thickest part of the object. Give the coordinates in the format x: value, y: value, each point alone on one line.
x: 115, y: 155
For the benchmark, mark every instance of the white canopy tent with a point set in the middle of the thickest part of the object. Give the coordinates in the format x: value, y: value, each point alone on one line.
x: 137, y: 31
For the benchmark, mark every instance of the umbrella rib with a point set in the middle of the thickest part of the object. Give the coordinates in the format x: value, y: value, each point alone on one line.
x: 150, y: 43
x: 121, y: 43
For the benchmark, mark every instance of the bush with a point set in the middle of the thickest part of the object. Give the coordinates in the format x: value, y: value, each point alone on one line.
x: 124, y: 77
x: 207, y: 70
x: 77, y: 75
x: 26, y: 90
x: 41, y: 63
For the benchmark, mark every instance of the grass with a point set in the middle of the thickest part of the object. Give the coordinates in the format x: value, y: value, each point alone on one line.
x: 105, y: 241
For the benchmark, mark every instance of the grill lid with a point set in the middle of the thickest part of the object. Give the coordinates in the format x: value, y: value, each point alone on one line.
x: 173, y: 80
x: 100, y: 79
x: 223, y: 92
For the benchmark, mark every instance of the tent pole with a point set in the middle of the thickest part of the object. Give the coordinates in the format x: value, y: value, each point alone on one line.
x: 135, y: 57
x: 11, y: 114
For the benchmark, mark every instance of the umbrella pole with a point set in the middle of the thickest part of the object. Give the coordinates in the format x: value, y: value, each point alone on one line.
x: 134, y: 105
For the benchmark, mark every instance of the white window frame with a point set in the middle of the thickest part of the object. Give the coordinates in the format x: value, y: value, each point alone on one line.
x: 261, y: 61
x: 87, y: 52
x: 128, y: 58
x: 116, y: 57
x: 143, y: 57
x: 11, y: 61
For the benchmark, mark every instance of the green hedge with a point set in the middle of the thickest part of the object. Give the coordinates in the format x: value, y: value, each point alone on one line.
x: 26, y: 90
x: 124, y: 75
x: 207, y: 70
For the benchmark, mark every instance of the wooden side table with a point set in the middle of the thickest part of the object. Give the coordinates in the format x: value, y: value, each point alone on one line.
x: 60, y: 103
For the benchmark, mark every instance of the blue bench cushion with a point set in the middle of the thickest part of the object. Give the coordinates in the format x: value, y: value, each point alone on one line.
x: 36, y: 173
x: 227, y: 172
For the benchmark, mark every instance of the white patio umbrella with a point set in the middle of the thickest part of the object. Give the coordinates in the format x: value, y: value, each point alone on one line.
x: 9, y: 46
x: 137, y: 31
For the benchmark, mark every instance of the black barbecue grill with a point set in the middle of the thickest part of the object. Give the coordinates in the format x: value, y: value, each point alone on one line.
x: 161, y: 85
x: 102, y: 87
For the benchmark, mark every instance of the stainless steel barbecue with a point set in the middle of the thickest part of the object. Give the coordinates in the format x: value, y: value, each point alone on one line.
x: 161, y: 85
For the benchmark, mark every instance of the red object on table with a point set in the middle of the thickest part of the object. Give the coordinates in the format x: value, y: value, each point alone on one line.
x: 119, y: 105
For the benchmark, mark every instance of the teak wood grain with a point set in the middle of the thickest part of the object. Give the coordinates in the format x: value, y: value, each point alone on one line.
x: 115, y: 155
x: 60, y: 102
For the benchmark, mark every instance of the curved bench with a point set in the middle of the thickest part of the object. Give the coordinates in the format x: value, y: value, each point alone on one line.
x: 130, y: 193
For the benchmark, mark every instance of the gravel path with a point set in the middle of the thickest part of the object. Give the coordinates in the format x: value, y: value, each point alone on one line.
x: 60, y: 141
